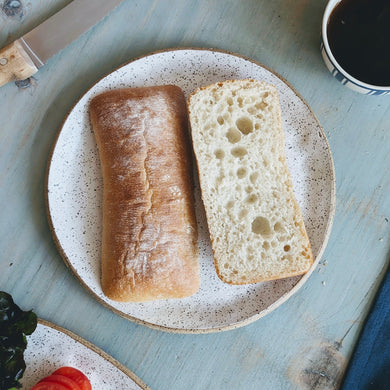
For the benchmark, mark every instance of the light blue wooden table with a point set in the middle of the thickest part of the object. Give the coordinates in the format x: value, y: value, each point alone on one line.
x: 305, y: 343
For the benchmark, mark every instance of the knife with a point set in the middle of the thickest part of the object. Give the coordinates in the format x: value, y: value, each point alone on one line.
x: 22, y: 58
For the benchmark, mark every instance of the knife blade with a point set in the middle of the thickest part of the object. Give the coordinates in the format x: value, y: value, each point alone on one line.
x: 22, y: 58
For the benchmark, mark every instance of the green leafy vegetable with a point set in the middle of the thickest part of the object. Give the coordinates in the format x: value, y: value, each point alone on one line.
x: 15, y: 324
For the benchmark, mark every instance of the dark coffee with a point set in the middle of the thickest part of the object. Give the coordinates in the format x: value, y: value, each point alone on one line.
x: 359, y: 37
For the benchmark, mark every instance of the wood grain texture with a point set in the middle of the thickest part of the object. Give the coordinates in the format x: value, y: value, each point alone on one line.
x: 17, y: 17
x: 305, y: 343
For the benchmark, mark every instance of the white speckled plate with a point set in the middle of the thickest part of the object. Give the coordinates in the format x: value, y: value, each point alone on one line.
x: 74, y: 193
x: 51, y: 347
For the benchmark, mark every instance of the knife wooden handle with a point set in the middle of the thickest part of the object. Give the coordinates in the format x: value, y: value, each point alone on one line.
x: 15, y: 63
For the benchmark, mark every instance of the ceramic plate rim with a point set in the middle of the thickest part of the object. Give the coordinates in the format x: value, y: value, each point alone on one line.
x: 241, y: 323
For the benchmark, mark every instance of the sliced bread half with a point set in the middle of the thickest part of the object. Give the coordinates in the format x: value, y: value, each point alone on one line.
x: 255, y: 223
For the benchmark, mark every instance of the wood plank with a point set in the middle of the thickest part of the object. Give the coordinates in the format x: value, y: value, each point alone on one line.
x: 17, y: 17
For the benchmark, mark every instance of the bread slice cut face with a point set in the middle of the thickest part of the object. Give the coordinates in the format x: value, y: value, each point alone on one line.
x: 255, y: 223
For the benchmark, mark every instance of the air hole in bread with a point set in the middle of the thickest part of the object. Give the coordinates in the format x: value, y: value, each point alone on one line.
x: 239, y: 101
x: 266, y: 245
x: 245, y: 125
x: 257, y: 126
x: 278, y: 227
x: 219, y: 154
x: 229, y: 101
x: 252, y: 110
x: 230, y: 204
x: 248, y: 189
x: 233, y: 136
x: 252, y: 198
x: 243, y: 213
x: 253, y: 177
x: 239, y: 152
x: 260, y: 225
x: 219, y: 180
x: 241, y: 172
x: 261, y: 106
x: 220, y: 120
x: 287, y: 248
x: 286, y: 259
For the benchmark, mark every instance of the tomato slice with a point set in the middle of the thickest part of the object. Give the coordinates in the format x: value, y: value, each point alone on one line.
x: 49, y: 386
x: 76, y: 375
x: 64, y: 381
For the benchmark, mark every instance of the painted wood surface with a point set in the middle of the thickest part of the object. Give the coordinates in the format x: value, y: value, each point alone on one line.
x: 305, y: 343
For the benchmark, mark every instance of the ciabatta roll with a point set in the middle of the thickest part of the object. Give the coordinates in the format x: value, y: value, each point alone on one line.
x: 149, y: 243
